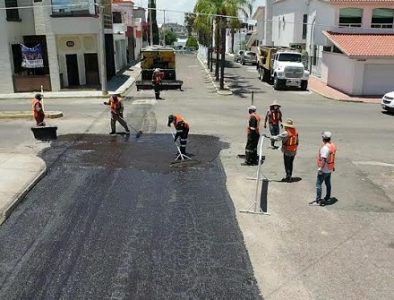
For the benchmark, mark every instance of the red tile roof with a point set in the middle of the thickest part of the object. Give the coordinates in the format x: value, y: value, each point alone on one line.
x: 361, y: 1
x: 363, y: 45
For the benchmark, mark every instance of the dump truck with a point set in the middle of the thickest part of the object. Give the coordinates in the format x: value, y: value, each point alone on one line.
x: 282, y: 66
x: 158, y: 57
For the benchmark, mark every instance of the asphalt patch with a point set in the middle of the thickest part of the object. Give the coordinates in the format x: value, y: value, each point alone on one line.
x: 113, y: 220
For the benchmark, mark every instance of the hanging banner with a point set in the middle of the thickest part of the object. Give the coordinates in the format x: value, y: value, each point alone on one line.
x: 32, y: 57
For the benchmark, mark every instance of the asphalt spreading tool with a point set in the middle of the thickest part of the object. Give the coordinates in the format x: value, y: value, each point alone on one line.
x: 180, y: 157
x: 138, y: 132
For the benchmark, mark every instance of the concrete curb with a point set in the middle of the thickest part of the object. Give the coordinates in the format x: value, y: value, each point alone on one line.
x: 28, y: 114
x: 6, y: 212
x: 226, y: 92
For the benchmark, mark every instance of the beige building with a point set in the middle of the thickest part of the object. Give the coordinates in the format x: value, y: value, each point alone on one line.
x: 69, y: 33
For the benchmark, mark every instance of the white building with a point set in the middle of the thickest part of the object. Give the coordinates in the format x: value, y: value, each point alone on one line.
x: 350, y: 43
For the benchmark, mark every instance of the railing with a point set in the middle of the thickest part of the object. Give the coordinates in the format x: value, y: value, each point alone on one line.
x: 74, y: 8
x: 382, y: 25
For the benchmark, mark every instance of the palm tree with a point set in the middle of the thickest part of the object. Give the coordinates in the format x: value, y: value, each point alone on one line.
x: 247, y: 11
x: 220, y: 8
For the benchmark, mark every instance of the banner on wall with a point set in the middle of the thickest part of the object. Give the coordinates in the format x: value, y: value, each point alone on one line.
x: 32, y: 57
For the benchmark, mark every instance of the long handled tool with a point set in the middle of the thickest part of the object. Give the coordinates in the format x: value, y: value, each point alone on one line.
x: 180, y: 156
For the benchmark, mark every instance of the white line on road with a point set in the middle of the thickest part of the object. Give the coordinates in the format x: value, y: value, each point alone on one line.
x: 373, y: 163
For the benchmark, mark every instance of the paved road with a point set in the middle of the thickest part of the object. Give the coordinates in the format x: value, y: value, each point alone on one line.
x: 342, y: 251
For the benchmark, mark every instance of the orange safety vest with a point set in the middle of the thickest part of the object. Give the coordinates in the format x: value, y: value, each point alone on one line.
x: 274, y: 116
x: 157, y: 77
x: 115, y: 105
x: 179, y: 119
x: 330, y: 159
x: 291, y: 143
x: 34, y: 103
x: 258, y: 118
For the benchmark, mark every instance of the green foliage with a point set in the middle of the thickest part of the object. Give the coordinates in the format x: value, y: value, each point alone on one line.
x: 170, y: 37
x: 192, y: 42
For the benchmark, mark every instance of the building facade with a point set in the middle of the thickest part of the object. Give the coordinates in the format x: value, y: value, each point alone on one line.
x: 349, y: 43
x: 70, y: 36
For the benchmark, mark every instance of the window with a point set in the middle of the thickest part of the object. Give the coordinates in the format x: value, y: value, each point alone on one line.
x: 116, y: 17
x: 382, y: 18
x: 304, y: 26
x: 12, y: 14
x: 350, y: 17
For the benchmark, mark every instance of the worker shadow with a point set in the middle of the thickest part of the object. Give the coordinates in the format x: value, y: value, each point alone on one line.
x: 331, y: 201
x: 292, y: 180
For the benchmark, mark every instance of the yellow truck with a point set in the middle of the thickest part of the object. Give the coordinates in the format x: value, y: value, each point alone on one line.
x: 282, y: 66
x: 158, y: 57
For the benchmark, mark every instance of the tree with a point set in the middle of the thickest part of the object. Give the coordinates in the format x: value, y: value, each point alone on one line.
x: 192, y: 42
x: 152, y: 14
x: 170, y: 37
x: 189, y: 21
x: 220, y: 9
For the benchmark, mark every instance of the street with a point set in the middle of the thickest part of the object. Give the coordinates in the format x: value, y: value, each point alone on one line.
x: 113, y: 219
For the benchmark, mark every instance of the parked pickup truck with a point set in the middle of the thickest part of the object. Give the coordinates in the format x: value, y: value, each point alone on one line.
x: 282, y: 66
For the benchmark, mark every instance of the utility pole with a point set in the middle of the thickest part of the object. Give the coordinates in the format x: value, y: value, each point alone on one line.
x: 164, y: 29
x: 150, y: 29
x: 103, y: 62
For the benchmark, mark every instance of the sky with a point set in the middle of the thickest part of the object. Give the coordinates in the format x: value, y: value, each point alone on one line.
x: 178, y: 5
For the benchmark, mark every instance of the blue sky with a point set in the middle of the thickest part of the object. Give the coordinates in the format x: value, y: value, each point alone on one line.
x: 179, y: 5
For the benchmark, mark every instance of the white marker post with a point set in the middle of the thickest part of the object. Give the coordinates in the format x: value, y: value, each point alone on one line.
x: 257, y: 210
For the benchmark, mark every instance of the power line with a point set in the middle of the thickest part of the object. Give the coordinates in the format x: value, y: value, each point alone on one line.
x: 87, y: 4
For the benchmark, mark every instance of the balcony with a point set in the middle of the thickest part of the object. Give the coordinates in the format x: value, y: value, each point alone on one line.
x: 74, y: 8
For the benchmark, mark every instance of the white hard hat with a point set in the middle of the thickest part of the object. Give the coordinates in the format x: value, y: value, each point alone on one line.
x: 252, y: 107
x: 157, y: 70
x: 326, y: 135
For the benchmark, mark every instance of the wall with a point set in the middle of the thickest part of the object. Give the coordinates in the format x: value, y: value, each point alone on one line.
x: 82, y: 44
x: 287, y: 22
x: 6, y: 85
x: 339, y: 71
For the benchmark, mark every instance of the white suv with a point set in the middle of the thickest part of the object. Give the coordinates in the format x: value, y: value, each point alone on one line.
x: 388, y: 102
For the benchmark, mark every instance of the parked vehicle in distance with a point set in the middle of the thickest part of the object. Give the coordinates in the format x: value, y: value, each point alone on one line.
x: 249, y: 57
x: 388, y: 102
x: 238, y: 55
x: 282, y: 66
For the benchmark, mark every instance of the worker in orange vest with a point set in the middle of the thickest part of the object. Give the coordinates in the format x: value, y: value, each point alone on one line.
x: 274, y: 118
x: 182, y: 130
x: 157, y: 77
x: 325, y: 165
x: 290, y: 142
x: 253, y: 134
x: 38, y: 111
x: 117, y: 113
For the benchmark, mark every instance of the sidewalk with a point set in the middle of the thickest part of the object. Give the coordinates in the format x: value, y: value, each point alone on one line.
x: 119, y: 84
x: 19, y: 174
x: 319, y: 87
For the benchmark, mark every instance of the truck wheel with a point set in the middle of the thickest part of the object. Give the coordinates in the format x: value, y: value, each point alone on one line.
x: 277, y: 83
x: 304, y: 85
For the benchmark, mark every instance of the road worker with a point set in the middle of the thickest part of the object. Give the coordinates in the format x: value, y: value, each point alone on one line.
x: 274, y: 118
x: 117, y: 113
x: 38, y: 111
x: 290, y: 141
x: 182, y: 130
x: 253, y: 135
x: 325, y: 165
x: 157, y: 77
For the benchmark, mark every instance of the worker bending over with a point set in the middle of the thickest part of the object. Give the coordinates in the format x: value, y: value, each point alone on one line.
x: 116, y: 113
x: 182, y: 130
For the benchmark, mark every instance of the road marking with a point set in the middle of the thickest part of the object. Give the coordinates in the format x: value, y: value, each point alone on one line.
x: 192, y: 66
x: 373, y: 163
x: 147, y: 101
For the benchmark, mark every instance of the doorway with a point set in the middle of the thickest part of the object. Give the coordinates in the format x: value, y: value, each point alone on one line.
x: 91, y: 69
x: 72, y: 70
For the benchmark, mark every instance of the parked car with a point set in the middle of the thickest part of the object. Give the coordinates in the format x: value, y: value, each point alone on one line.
x: 238, y: 55
x: 249, y: 57
x: 388, y: 102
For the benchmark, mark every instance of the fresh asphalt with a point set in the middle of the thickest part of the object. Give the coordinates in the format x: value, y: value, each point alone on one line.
x: 112, y: 219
